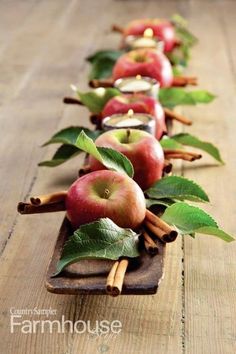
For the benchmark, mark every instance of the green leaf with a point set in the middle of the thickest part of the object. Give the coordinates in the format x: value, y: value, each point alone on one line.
x: 168, y: 143
x: 189, y: 219
x: 190, y: 140
x: 64, y: 153
x: 174, y: 96
x: 177, y: 69
x: 179, y: 56
x: 187, y: 38
x: 69, y: 135
x: 102, y: 63
x: 101, y: 69
x: 200, y: 96
x: 107, y: 54
x: 179, y: 20
x: 110, y: 158
x: 102, y: 239
x: 68, y: 150
x: 162, y: 202
x: 209, y: 230
x: 95, y: 100
x: 180, y: 140
x: 177, y: 187
x: 171, y: 97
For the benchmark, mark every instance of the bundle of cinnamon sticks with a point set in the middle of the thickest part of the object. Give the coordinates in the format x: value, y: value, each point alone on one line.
x: 115, y: 277
x: 159, y: 228
x: 154, y: 227
x: 44, y: 204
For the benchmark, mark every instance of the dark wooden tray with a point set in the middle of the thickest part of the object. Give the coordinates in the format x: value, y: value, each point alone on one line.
x: 89, y: 276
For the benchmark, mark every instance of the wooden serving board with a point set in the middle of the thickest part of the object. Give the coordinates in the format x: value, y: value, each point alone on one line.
x: 143, y: 275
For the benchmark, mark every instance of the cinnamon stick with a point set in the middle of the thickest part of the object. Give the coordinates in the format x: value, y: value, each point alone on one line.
x: 94, y: 119
x: 176, y: 116
x: 115, y: 278
x: 159, y: 227
x: 111, y: 277
x: 160, y: 233
x: 49, y: 198
x: 150, y: 246
x: 27, y: 208
x: 167, y: 166
x: 184, y: 80
x: 84, y: 170
x: 184, y: 157
x: 101, y: 83
x: 117, y: 28
x: 178, y: 42
x: 155, y: 220
x: 119, y: 277
x: 178, y: 151
x: 72, y: 100
x: 182, y: 154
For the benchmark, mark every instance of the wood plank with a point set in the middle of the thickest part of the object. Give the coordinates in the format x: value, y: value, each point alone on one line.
x: 37, y: 116
x: 22, y: 50
x: 147, y: 320
x: 88, y: 277
x: 209, y: 264
x: 13, y: 17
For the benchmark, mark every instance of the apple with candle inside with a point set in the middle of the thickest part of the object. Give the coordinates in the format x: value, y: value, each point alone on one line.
x: 141, y: 148
x: 108, y: 194
x: 138, y: 103
x: 147, y: 40
x: 144, y: 62
x: 162, y: 30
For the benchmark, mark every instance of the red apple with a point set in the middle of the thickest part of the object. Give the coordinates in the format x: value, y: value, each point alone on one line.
x: 162, y: 29
x: 144, y: 62
x: 143, y: 150
x: 105, y: 194
x: 139, y: 103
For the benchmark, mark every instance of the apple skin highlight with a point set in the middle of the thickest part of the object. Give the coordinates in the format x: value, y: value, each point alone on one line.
x: 106, y: 194
x: 141, y: 148
x: 144, y: 62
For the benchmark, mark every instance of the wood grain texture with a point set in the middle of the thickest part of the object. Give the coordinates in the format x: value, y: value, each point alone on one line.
x: 42, y: 50
x: 209, y: 264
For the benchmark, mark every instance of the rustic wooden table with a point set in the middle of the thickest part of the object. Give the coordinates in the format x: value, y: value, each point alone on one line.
x: 42, y: 49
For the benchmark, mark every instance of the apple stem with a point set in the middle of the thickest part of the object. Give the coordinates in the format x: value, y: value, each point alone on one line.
x: 128, y: 132
x: 95, y: 83
x: 116, y: 28
x: 72, y: 100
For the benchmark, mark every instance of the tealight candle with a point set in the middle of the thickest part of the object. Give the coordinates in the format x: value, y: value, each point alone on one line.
x: 130, y: 120
x: 138, y: 84
x: 145, y: 41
